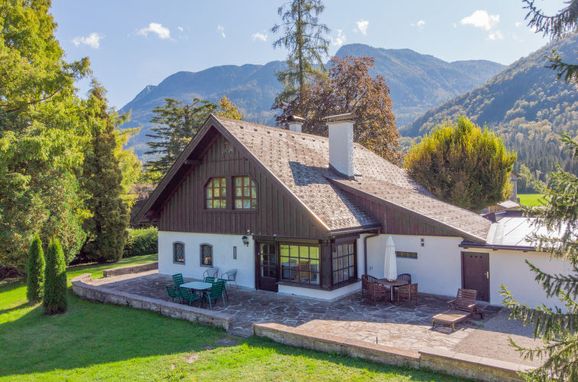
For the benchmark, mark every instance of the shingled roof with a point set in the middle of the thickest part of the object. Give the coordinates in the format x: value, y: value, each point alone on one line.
x: 301, y: 162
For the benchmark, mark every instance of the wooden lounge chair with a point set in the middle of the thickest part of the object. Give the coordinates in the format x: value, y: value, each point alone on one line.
x: 450, y: 318
x: 465, y: 301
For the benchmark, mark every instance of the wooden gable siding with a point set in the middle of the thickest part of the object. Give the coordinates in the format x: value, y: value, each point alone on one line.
x: 277, y: 213
x: 399, y: 221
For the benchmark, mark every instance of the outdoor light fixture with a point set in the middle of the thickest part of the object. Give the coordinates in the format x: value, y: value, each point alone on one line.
x: 245, y: 240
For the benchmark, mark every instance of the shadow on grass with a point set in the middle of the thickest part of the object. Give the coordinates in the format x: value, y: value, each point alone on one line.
x: 8, y: 310
x: 90, y: 334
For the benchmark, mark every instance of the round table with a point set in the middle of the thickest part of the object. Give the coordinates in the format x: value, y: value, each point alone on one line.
x: 392, y: 284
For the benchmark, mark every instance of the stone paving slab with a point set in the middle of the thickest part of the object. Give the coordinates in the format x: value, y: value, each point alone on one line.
x: 401, y: 326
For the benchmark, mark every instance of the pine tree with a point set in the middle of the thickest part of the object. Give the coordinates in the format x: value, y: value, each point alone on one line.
x: 305, y: 39
x: 35, y: 271
x: 176, y: 123
x: 228, y: 109
x: 55, y: 282
x: 558, y: 26
x: 103, y: 182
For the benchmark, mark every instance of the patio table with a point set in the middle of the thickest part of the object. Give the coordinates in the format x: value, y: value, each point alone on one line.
x: 392, y: 284
x: 198, y: 286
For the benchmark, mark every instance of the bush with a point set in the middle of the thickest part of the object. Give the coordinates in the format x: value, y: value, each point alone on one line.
x: 55, y: 283
x: 141, y: 241
x: 35, y: 271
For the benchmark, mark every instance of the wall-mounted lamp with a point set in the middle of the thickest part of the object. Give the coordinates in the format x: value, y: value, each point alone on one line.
x: 245, y: 241
x: 422, y: 242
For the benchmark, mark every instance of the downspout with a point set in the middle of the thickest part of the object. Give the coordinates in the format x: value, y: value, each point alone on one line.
x: 365, y: 250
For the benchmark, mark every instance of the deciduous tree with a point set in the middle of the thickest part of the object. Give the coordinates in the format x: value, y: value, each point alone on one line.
x: 228, y: 109
x: 463, y: 165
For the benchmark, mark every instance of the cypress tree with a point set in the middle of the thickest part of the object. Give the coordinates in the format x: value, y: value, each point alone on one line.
x: 55, y: 283
x: 35, y: 271
x: 103, y: 182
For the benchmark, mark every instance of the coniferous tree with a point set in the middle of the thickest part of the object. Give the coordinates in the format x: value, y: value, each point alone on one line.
x: 176, y: 123
x: 558, y: 26
x: 35, y: 271
x: 55, y: 280
x: 304, y: 36
x: 102, y: 176
x: 463, y: 164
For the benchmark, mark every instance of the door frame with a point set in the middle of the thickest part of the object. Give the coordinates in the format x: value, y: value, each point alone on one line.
x: 463, y: 264
x: 258, y: 262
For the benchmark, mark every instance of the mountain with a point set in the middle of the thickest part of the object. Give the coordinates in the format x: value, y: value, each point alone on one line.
x: 417, y: 82
x: 525, y: 103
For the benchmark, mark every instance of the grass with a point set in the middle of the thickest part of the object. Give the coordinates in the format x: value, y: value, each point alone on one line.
x: 96, y: 342
x: 531, y: 200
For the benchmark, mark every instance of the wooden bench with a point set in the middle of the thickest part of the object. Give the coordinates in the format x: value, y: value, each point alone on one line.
x: 450, y: 318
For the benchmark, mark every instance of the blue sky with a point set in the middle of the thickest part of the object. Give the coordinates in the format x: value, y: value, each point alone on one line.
x: 135, y: 43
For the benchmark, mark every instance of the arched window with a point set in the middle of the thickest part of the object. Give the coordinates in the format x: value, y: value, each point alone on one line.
x: 245, y: 193
x: 206, y: 255
x: 216, y: 193
x: 178, y: 253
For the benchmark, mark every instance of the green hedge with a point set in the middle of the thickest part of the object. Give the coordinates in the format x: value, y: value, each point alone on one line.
x: 141, y: 241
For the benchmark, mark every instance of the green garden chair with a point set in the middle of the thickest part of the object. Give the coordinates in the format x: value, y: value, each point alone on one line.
x: 209, y: 279
x: 189, y: 296
x: 173, y: 293
x: 178, y: 280
x: 216, y: 293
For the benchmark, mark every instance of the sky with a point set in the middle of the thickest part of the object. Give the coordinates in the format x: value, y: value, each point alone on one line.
x: 134, y: 43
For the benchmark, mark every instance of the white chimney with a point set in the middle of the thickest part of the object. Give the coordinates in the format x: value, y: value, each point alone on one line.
x: 341, y: 143
x: 295, y: 123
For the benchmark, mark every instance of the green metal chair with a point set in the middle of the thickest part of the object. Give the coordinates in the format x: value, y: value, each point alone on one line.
x: 173, y: 293
x: 215, y: 293
x: 209, y: 279
x: 178, y: 280
x: 188, y: 296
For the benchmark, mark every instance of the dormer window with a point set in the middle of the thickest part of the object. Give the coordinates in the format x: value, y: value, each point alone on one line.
x: 216, y: 193
x: 245, y: 193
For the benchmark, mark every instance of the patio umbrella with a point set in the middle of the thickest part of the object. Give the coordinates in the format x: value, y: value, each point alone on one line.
x: 390, y: 264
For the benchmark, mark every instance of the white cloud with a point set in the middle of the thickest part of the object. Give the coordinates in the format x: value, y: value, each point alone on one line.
x: 92, y: 40
x: 496, y: 35
x: 180, y: 28
x: 518, y: 24
x: 420, y: 24
x: 221, y: 30
x: 481, y: 19
x: 162, y: 32
x: 259, y: 36
x: 362, y: 26
x: 340, y: 39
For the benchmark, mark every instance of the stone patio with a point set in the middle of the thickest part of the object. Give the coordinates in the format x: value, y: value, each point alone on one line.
x: 400, y: 326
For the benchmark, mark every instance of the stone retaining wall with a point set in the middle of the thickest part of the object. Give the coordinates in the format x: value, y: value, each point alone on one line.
x: 83, y: 288
x: 456, y: 364
x: 131, y: 269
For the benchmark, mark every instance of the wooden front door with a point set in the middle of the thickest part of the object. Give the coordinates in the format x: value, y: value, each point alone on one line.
x: 476, y: 273
x: 267, y: 261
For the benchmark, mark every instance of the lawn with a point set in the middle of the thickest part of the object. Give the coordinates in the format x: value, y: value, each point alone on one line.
x: 96, y: 342
x: 531, y: 200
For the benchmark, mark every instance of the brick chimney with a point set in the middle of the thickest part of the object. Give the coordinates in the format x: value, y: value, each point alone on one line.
x: 341, y: 143
x: 295, y: 123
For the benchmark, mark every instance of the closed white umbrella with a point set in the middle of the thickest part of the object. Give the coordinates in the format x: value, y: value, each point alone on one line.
x: 390, y: 264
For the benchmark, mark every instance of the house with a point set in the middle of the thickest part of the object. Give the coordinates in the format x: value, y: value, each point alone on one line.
x: 308, y: 215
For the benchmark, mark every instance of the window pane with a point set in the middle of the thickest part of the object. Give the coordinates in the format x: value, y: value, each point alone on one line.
x: 238, y: 204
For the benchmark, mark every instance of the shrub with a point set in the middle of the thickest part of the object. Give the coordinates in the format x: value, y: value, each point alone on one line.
x: 35, y: 271
x: 55, y: 283
x: 141, y: 241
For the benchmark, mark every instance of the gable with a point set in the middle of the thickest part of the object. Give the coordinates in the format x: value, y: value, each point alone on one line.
x: 183, y: 209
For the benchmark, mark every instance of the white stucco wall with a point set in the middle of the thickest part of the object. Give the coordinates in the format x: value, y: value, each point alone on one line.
x: 510, y: 269
x: 222, y: 255
x: 320, y: 294
x: 437, y: 268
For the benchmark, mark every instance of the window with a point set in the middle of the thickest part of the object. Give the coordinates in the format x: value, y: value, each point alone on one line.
x: 216, y: 193
x: 300, y: 263
x: 245, y: 193
x: 406, y: 255
x: 206, y: 255
x: 179, y: 253
x: 343, y: 259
